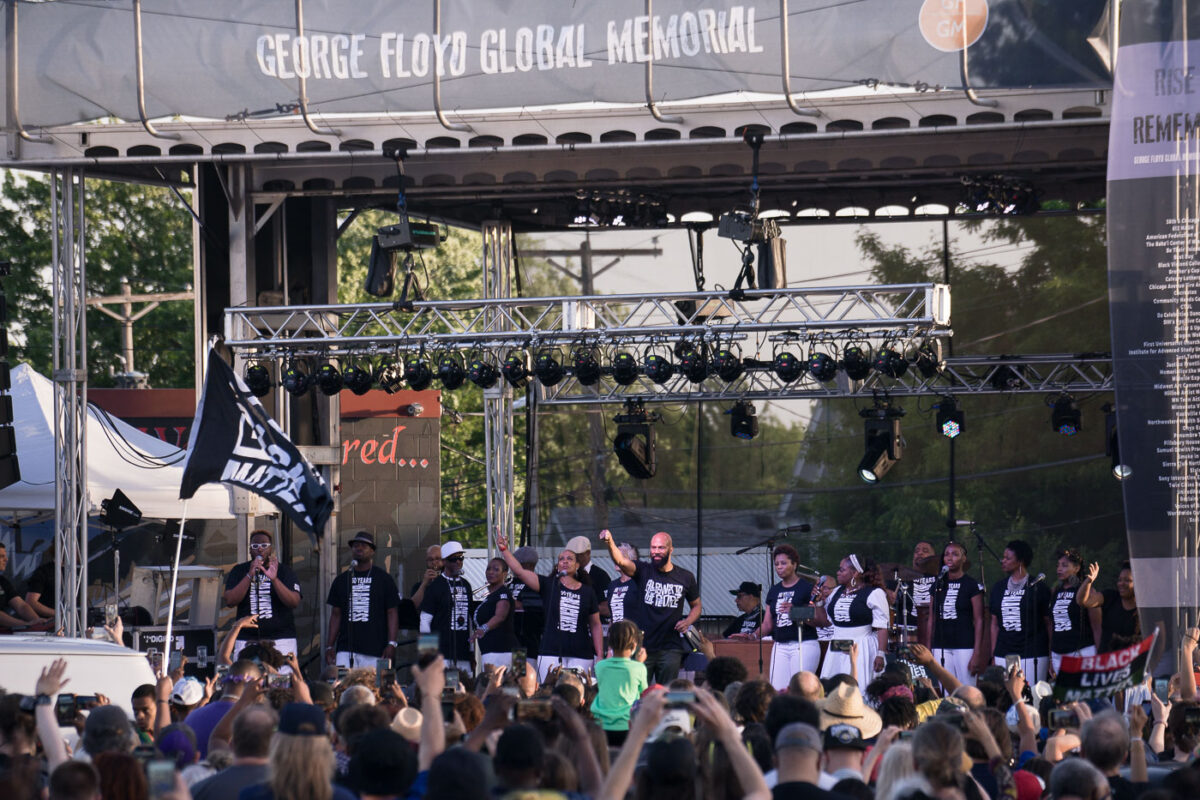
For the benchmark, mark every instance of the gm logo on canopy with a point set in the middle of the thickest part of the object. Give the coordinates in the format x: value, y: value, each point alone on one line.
x: 953, y: 25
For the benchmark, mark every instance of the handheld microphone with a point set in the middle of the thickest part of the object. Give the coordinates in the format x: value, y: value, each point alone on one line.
x: 945, y: 571
x: 353, y: 563
x: 1041, y: 577
x: 258, y: 560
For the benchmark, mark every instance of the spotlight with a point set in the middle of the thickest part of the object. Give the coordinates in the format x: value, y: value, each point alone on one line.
x: 929, y: 360
x: 515, y: 370
x: 258, y: 380
x: 884, y: 445
x: 657, y: 368
x: 788, y: 367
x: 390, y: 377
x: 450, y: 371
x: 329, y: 379
x: 1065, y: 417
x: 950, y: 421
x: 634, y: 443
x: 295, y: 381
x: 547, y: 369
x: 587, y: 368
x: 624, y: 369
x: 482, y: 374
x: 1007, y: 377
x: 357, y: 380
x: 822, y: 367
x: 694, y: 365
x: 380, y: 281
x: 418, y: 374
x: 727, y: 365
x: 856, y: 362
x: 742, y: 421
x: 1120, y: 470
x: 890, y: 363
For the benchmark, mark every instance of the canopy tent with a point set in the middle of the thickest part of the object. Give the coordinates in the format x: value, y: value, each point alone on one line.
x: 119, y: 456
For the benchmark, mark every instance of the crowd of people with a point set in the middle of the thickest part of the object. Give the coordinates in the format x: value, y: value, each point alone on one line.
x: 571, y: 684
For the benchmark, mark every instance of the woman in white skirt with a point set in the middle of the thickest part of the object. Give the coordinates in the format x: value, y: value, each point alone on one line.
x: 493, y: 618
x: 1076, y: 629
x: 796, y: 647
x: 859, y: 613
x: 958, y: 627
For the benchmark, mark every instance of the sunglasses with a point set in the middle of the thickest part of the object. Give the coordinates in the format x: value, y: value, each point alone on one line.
x: 259, y: 545
x: 453, y: 558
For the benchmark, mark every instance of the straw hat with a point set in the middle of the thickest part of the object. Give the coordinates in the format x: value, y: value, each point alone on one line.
x: 845, y: 706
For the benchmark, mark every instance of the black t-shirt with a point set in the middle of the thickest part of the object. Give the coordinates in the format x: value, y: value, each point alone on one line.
x: 1072, y: 627
x: 954, y: 620
x: 917, y: 596
x: 786, y: 629
x: 275, y: 619
x: 449, y: 601
x: 500, y: 639
x: 662, y: 595
x: 622, y: 604
x: 7, y: 593
x: 1116, y: 620
x: 1021, y: 615
x: 568, y: 631
x: 854, y: 610
x: 42, y: 582
x: 364, y: 598
x: 746, y: 623
x: 600, y: 580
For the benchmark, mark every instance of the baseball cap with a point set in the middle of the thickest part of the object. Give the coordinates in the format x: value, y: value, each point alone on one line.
x: 845, y: 737
x: 748, y: 587
x: 108, y: 730
x: 798, y: 734
x: 302, y: 719
x: 526, y: 555
x: 451, y: 548
x: 364, y: 537
x: 407, y: 723
x: 579, y: 544
x: 187, y: 692
x: 674, y: 720
x: 383, y: 764
x: 671, y: 760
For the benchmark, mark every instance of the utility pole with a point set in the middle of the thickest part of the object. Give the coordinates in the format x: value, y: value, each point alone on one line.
x: 586, y: 279
x: 127, y: 316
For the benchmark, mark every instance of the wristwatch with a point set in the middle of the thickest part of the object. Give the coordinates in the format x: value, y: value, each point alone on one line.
x: 483, y: 628
x: 391, y: 644
x: 29, y: 702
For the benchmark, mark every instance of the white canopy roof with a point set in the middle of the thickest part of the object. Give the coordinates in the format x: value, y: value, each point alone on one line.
x: 119, y: 456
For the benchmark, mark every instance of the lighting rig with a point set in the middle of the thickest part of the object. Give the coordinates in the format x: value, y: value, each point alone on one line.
x: 884, y: 444
x: 634, y: 442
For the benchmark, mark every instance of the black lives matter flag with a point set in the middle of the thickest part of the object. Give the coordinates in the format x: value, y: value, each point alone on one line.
x: 1089, y: 677
x: 235, y: 441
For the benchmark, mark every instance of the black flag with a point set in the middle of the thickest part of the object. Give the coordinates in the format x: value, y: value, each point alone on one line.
x: 235, y: 441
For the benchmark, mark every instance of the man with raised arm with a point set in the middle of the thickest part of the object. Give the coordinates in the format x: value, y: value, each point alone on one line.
x: 662, y: 588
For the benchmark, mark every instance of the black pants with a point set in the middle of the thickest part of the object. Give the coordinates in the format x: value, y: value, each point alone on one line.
x: 662, y: 666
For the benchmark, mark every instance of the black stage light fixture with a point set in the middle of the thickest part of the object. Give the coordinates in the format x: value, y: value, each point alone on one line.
x: 727, y: 365
x: 295, y: 380
x: 258, y: 380
x: 482, y: 373
x: 658, y: 368
x: 890, y: 363
x: 548, y: 369
x: 884, y: 444
x: 693, y: 364
x: 1065, y: 417
x: 822, y: 367
x: 1007, y: 377
x: 329, y: 379
x: 417, y: 374
x: 929, y: 360
x: 119, y: 511
x: 390, y: 377
x: 1120, y: 470
x: 586, y: 367
x: 624, y: 368
x: 380, y: 281
x: 450, y: 371
x: 856, y: 362
x: 787, y: 367
x: 950, y: 420
x: 357, y: 379
x: 515, y: 370
x: 742, y: 420
x: 634, y: 442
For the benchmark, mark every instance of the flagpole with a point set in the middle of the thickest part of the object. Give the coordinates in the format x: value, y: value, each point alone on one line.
x: 174, y: 584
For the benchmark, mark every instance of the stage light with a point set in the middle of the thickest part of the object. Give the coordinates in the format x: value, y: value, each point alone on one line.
x: 634, y: 442
x: 883, y: 442
x: 856, y: 362
x: 390, y: 377
x: 1065, y: 417
x: 950, y: 420
x: 329, y: 379
x: 380, y: 281
x: 693, y: 364
x: 295, y: 381
x: 258, y: 380
x: 1008, y: 377
x: 357, y: 380
x: 822, y: 367
x: 417, y: 374
x: 587, y: 368
x: 482, y: 374
x: 929, y: 360
x: 890, y: 363
x: 742, y: 420
x: 547, y: 369
x: 1120, y: 470
x: 450, y: 371
x: 515, y: 370
x: 624, y: 369
x: 727, y: 365
x: 787, y: 367
x: 657, y: 368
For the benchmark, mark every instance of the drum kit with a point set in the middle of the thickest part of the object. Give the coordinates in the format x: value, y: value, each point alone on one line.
x: 899, y: 578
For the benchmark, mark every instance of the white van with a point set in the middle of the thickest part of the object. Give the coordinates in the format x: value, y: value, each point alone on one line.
x: 93, y: 667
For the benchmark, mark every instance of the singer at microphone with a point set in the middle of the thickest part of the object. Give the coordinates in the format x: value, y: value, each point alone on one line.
x: 364, y: 617
x: 1020, y: 606
x: 265, y: 588
x: 446, y: 607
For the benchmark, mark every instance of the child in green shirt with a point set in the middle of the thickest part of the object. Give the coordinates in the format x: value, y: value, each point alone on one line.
x: 620, y: 680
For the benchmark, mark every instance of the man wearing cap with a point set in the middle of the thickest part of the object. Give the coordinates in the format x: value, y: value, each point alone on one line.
x: 364, y: 620
x: 266, y: 588
x: 847, y: 723
x: 581, y: 546
x: 748, y: 598
x: 798, y: 749
x: 446, y: 609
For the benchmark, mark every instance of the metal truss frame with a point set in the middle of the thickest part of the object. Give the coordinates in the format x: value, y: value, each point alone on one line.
x: 498, y: 401
x: 67, y: 221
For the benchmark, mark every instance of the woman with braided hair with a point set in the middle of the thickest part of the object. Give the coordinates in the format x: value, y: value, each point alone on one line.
x: 859, y: 614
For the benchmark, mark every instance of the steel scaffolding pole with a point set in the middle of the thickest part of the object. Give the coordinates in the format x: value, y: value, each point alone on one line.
x: 498, y: 401
x: 69, y: 302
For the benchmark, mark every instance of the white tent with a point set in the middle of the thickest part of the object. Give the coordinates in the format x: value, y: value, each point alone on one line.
x: 119, y: 456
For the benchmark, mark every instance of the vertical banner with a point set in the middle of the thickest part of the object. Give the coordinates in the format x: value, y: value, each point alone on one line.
x: 1154, y: 288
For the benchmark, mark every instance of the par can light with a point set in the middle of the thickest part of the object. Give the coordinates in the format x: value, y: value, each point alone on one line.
x: 418, y: 374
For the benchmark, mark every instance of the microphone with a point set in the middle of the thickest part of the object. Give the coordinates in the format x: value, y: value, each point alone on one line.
x: 803, y: 527
x: 257, y: 573
x: 353, y: 563
x: 963, y: 523
x: 945, y: 571
x: 1041, y: 577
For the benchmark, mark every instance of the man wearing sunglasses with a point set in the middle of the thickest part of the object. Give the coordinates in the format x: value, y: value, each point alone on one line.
x: 267, y: 589
x: 446, y: 610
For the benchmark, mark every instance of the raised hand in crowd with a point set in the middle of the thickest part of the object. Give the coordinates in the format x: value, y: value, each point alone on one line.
x: 116, y: 631
x: 707, y: 708
x: 1187, y: 649
x: 649, y: 711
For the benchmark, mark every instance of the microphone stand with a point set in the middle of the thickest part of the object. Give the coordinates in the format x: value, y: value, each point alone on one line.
x: 769, y: 543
